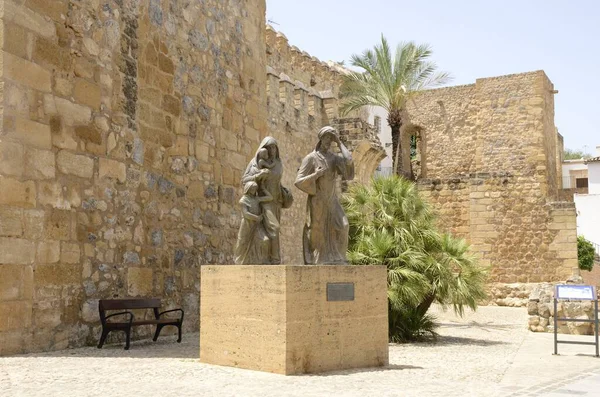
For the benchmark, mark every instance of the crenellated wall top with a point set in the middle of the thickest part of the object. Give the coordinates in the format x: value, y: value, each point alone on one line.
x: 304, y: 70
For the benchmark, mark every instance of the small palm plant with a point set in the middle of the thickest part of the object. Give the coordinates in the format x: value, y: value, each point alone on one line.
x: 391, y: 225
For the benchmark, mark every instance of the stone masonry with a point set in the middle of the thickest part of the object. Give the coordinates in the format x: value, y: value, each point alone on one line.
x: 126, y: 127
x: 488, y: 155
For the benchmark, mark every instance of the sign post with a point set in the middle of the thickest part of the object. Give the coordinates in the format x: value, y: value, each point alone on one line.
x: 578, y: 293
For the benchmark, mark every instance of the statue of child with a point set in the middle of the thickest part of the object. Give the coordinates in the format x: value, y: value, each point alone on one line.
x: 252, y: 243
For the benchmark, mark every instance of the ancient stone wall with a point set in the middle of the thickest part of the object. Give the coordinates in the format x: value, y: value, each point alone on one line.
x: 127, y: 125
x: 489, y: 166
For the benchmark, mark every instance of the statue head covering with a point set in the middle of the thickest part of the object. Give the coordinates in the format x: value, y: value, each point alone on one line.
x: 268, y: 141
x: 325, y: 131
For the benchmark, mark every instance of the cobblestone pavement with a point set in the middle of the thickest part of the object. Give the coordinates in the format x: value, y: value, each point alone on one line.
x: 487, y: 353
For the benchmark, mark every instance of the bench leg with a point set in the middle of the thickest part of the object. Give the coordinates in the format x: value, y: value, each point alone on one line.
x: 179, y: 329
x: 103, y: 338
x: 159, y: 328
x: 127, y: 338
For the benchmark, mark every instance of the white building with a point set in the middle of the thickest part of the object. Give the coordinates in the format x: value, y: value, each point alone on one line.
x: 588, y: 205
x: 575, y: 174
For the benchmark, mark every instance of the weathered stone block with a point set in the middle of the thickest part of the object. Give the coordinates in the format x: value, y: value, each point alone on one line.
x: 89, y: 311
x: 16, y: 282
x: 32, y: 133
x: 87, y: 93
x: 140, y: 281
x: 26, y: 17
x: 40, y: 164
x: 165, y: 64
x: 50, y: 55
x: 26, y: 73
x: 89, y: 133
x: 15, y: 315
x: 56, y: 275
x: 17, y: 40
x: 69, y: 252
x: 48, y: 251
x: 16, y: 193
x: 46, y: 317
x: 11, y: 222
x: 55, y: 9
x: 16, y: 251
x: 112, y: 169
x: 151, y: 55
x: 172, y: 105
x: 75, y: 164
x: 84, y: 68
x: 51, y: 193
x: 278, y: 319
x: 58, y: 225
x: 70, y: 113
x: 34, y: 224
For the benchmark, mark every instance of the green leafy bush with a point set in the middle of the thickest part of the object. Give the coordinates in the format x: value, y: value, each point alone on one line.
x: 391, y: 225
x: 585, y: 254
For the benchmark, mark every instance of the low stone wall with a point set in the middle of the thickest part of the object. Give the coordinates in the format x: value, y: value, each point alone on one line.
x: 512, y: 295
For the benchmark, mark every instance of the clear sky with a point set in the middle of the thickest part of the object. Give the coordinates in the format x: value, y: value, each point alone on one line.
x: 470, y: 39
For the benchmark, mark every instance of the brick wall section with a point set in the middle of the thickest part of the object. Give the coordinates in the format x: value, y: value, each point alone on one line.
x: 126, y: 128
x: 490, y: 170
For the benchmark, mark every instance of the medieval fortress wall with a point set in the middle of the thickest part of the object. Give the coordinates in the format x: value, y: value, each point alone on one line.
x: 489, y: 162
x: 126, y: 127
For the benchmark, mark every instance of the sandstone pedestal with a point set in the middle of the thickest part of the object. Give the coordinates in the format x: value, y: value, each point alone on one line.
x: 279, y: 319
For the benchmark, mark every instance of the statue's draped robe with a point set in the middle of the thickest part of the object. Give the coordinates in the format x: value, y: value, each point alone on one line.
x: 325, y: 235
x: 252, y: 243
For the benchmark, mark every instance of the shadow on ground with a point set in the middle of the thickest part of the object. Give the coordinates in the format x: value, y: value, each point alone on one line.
x: 483, y: 326
x: 457, y: 340
x: 165, y: 347
x: 391, y: 367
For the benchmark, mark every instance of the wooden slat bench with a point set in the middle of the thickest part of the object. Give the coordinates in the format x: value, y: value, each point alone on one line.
x: 126, y: 304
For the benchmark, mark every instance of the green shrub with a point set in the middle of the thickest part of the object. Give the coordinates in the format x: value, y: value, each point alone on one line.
x: 585, y: 254
x: 391, y: 225
x: 410, y: 325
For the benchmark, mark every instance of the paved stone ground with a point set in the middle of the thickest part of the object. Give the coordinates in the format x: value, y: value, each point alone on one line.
x: 487, y: 353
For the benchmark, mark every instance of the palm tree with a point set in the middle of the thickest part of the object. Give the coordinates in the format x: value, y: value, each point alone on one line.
x: 391, y: 225
x: 390, y: 80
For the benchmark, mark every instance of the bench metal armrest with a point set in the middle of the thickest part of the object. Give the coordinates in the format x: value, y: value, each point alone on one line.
x: 173, y: 310
x: 131, y: 316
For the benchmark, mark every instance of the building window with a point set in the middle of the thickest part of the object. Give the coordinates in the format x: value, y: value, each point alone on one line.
x: 581, y: 182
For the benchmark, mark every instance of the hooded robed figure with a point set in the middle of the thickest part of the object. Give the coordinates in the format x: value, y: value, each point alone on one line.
x: 325, y: 235
x: 269, y: 182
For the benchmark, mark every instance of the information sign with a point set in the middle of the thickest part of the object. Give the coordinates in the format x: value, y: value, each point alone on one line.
x: 578, y: 292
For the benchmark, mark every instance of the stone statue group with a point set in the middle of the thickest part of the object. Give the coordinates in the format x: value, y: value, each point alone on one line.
x: 325, y: 234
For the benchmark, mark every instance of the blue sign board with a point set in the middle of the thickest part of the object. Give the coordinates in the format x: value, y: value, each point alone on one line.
x: 577, y: 292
